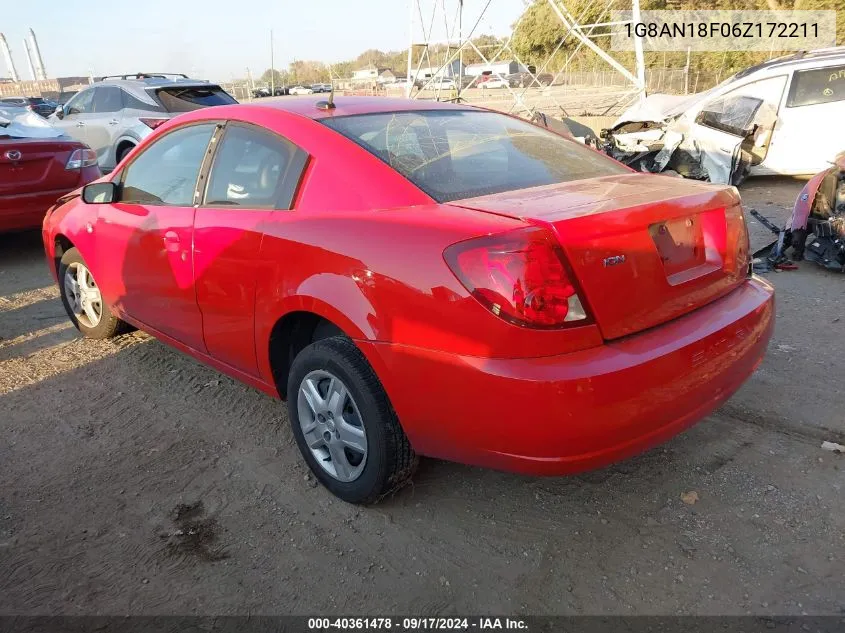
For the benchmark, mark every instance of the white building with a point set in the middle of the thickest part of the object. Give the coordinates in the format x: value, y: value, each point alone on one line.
x: 373, y: 74
x: 450, y: 70
x: 503, y: 68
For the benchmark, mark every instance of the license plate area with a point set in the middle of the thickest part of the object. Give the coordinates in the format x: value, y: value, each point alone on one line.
x: 690, y: 246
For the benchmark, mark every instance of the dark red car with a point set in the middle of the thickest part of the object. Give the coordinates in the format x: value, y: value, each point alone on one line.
x: 422, y: 279
x: 35, y: 171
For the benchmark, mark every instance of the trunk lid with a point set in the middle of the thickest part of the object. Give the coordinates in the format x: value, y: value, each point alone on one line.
x: 32, y: 165
x: 645, y: 248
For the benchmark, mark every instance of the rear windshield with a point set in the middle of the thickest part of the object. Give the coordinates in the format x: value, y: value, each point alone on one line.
x: 463, y: 154
x: 177, y: 99
x: 36, y: 100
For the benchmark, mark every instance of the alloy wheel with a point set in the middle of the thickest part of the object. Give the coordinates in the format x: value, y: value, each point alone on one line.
x: 83, y: 296
x: 332, y: 426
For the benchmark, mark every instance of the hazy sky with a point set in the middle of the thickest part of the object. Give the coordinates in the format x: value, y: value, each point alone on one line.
x: 218, y: 39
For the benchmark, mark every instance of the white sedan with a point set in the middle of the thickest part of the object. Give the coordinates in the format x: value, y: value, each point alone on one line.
x: 301, y: 90
x: 494, y: 82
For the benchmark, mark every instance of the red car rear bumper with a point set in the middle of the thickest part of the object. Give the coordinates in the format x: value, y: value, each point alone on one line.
x: 26, y: 210
x: 569, y: 413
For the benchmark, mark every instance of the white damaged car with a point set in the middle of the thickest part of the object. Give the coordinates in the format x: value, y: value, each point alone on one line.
x: 783, y: 116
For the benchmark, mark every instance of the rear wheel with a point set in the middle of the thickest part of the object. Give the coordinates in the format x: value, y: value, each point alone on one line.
x: 344, y: 424
x: 123, y: 151
x: 83, y: 301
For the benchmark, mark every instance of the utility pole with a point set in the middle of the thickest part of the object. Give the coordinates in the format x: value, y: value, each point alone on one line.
x: 461, y: 50
x: 272, y: 68
x: 408, y: 85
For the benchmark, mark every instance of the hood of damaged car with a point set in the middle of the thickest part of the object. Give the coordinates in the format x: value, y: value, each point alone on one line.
x: 22, y: 123
x: 657, y: 108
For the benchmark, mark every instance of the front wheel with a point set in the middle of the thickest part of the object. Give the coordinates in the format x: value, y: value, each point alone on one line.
x: 83, y: 301
x: 344, y: 424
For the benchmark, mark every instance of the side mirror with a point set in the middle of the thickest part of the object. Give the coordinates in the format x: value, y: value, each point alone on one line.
x: 60, y: 112
x: 99, y: 193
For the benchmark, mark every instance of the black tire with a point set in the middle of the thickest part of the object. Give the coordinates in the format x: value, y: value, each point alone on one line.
x: 123, y: 152
x: 109, y: 325
x: 390, y: 460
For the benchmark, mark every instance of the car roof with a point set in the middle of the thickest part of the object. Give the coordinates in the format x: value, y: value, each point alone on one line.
x: 345, y: 106
x: 131, y: 83
x: 836, y: 53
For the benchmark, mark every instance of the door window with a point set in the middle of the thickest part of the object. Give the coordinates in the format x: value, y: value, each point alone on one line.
x: 81, y: 103
x: 166, y: 172
x: 734, y: 114
x: 254, y: 169
x: 108, y: 99
x: 813, y: 87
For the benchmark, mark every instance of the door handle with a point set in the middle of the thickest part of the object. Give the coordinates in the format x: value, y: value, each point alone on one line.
x: 80, y: 124
x: 171, y: 241
x: 114, y: 122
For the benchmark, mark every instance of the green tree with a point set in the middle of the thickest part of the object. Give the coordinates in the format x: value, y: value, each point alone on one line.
x: 276, y: 77
x: 308, y: 72
x: 540, y: 31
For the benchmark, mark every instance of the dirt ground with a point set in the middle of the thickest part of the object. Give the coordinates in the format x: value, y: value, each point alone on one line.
x: 133, y: 480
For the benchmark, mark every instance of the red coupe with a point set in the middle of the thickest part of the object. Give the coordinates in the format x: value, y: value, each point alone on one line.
x: 420, y: 278
x: 37, y: 170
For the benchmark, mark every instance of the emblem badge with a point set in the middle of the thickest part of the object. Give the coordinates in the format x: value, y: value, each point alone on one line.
x: 613, y: 261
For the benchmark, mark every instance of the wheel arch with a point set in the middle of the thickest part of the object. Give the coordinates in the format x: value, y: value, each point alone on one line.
x: 61, y: 245
x: 290, y: 334
x: 121, y: 144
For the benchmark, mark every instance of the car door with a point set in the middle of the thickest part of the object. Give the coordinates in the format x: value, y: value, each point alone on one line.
x: 76, y: 112
x: 809, y: 135
x: 253, y: 176
x: 147, y: 235
x: 727, y: 125
x: 103, y: 127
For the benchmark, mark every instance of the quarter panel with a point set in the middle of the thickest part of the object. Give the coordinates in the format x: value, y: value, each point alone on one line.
x: 380, y: 276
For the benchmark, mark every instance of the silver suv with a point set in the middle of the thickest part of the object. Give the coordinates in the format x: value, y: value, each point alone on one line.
x: 116, y: 113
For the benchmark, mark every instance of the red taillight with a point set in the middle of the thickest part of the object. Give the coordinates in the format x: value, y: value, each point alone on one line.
x: 520, y: 276
x: 153, y: 123
x: 81, y: 158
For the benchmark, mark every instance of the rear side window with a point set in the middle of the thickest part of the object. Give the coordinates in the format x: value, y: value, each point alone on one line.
x: 177, y: 99
x: 165, y: 174
x: 108, y: 99
x: 132, y: 102
x: 254, y: 169
x: 462, y: 154
x: 812, y: 87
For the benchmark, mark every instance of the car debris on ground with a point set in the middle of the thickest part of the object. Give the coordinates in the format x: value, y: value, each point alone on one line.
x: 816, y: 229
x: 567, y: 127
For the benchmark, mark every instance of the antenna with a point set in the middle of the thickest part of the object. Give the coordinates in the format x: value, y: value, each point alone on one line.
x: 328, y: 105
